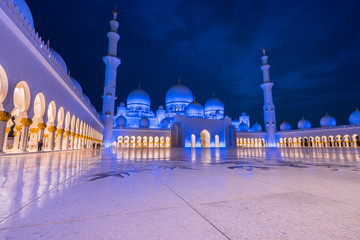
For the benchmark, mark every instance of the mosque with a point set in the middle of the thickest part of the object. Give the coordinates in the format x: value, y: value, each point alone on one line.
x: 48, y: 104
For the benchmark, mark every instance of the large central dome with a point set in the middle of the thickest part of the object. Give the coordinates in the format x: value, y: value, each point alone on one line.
x: 178, y: 94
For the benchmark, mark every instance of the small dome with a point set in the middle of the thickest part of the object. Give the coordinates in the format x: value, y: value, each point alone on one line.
x: 243, y: 127
x: 285, y: 126
x: 77, y: 84
x: 257, y: 127
x: 87, y: 99
x: 304, y: 124
x: 214, y: 104
x: 121, y: 121
x: 161, y: 107
x: 144, y: 122
x: 355, y: 118
x: 327, y: 121
x: 138, y: 99
x: 194, y: 110
x: 24, y: 8
x: 165, y: 123
x: 214, y: 108
x: 60, y: 60
x: 122, y: 104
x: 179, y: 94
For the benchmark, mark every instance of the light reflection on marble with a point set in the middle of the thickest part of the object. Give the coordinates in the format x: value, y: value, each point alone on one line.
x: 40, y: 193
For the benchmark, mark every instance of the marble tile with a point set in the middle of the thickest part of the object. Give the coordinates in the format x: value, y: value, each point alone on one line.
x: 181, y: 194
x: 284, y: 216
x: 173, y: 223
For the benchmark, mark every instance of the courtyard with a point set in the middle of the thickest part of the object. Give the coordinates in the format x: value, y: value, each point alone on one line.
x: 226, y: 193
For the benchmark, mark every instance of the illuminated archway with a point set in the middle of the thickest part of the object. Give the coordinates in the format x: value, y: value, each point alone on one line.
x: 4, y: 84
x: 205, y: 139
x: 217, y: 141
x: 193, y: 140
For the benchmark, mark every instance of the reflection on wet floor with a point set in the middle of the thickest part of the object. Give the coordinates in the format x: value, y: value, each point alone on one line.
x: 222, y: 154
x: 33, y: 184
x: 26, y: 177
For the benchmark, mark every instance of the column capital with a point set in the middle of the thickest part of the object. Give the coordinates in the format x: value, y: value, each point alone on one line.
x: 4, y: 116
x: 41, y: 126
x: 60, y: 131
x: 52, y: 129
x: 26, y: 122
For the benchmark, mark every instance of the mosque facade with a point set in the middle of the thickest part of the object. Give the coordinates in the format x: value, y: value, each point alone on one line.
x: 48, y: 104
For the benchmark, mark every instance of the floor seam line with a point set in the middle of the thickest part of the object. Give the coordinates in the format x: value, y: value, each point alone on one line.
x: 192, y: 207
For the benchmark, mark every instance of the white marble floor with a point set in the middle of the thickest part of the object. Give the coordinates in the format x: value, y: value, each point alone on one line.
x: 181, y: 194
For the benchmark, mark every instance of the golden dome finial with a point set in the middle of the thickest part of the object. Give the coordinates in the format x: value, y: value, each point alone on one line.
x: 115, y: 13
x: 263, y: 50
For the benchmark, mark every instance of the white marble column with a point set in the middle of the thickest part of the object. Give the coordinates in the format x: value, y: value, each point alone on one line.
x: 52, y: 131
x: 25, y: 122
x: 59, y: 139
x: 4, y: 118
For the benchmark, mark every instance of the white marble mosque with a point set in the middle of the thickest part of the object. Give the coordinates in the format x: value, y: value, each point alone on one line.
x: 49, y: 104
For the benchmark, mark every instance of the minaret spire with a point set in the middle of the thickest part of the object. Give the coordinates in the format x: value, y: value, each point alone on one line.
x: 263, y: 50
x: 269, y: 107
x: 112, y: 62
x: 115, y: 13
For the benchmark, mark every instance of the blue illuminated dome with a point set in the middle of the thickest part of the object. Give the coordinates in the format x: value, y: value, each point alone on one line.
x: 178, y: 95
x: 257, y: 127
x: 243, y: 127
x: 327, y: 121
x: 60, y: 60
x: 120, y: 121
x: 355, y: 117
x: 24, y: 8
x: 213, y: 107
x: 87, y: 99
x: 285, y: 126
x: 304, y: 124
x: 138, y: 100
x: 165, y: 123
x: 77, y: 84
x: 144, y: 122
x: 194, y: 110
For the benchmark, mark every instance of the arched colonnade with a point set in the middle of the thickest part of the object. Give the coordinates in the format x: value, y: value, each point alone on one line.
x: 22, y: 127
x: 338, y: 141
x: 142, y: 142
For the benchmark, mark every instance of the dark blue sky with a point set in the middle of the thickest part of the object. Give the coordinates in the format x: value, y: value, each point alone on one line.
x: 313, y: 49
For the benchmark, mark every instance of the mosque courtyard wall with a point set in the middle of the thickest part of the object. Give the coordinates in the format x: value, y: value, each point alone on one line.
x: 38, y: 99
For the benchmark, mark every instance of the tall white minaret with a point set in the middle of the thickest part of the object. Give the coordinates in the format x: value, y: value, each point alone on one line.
x: 112, y: 62
x: 269, y: 107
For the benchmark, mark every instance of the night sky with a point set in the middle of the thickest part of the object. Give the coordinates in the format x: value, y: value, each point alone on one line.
x: 313, y: 49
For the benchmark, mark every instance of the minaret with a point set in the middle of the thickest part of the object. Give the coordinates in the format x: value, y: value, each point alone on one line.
x: 112, y: 62
x: 269, y: 107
